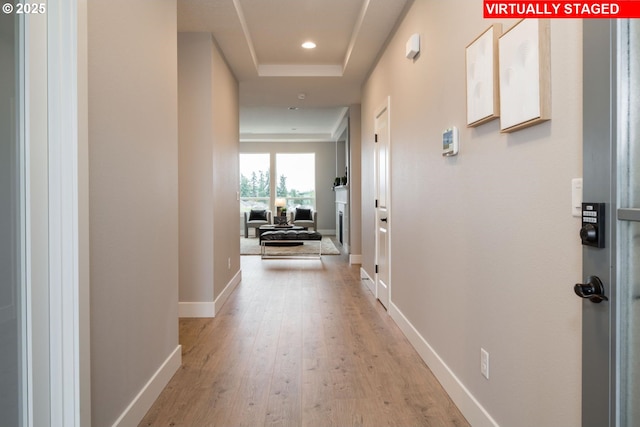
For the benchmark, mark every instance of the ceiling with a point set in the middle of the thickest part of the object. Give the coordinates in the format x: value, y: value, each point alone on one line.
x: 287, y: 92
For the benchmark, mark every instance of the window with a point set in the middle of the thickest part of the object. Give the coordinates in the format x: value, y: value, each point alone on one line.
x: 296, y: 179
x: 255, y: 182
x: 292, y: 178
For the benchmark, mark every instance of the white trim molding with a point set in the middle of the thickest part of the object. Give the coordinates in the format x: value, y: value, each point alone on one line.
x: 69, y: 345
x: 209, y: 308
x: 226, y: 293
x: 472, y: 410
x: 139, y: 406
x: 196, y: 309
x: 371, y: 285
x: 355, y: 259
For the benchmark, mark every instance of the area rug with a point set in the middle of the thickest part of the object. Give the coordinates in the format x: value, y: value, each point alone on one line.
x: 251, y: 246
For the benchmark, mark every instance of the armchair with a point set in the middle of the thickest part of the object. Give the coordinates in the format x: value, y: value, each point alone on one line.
x: 305, y: 218
x: 255, y: 219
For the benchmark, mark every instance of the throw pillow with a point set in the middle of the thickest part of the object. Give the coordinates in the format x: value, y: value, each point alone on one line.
x: 303, y: 215
x: 256, y: 214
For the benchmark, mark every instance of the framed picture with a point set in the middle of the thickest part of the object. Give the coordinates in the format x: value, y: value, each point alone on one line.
x: 525, y: 85
x: 483, y: 94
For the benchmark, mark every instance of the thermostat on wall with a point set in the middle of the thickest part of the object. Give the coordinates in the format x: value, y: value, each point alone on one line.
x: 413, y: 46
x: 450, y: 142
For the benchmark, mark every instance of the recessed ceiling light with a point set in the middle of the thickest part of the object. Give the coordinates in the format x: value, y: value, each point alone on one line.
x: 309, y: 45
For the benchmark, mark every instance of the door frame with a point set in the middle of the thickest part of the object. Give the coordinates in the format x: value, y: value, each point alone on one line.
x: 600, y: 340
x: 67, y: 65
x: 386, y: 106
x: 56, y: 204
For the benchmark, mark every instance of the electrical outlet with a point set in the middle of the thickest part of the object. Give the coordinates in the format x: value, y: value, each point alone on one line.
x: 484, y: 363
x: 229, y: 263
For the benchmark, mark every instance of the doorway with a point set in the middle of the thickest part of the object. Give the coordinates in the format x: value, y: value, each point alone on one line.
x: 383, y: 198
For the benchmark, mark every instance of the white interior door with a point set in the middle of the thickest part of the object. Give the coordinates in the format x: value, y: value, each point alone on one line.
x: 382, y: 205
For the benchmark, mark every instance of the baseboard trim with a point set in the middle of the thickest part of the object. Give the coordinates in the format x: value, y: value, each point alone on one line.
x: 226, y: 293
x: 355, y: 259
x: 196, y: 309
x: 139, y: 406
x: 368, y: 280
x: 472, y: 410
x: 209, y: 308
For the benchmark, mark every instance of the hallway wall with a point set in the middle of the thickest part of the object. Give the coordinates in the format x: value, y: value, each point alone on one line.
x: 355, y: 182
x: 133, y: 201
x: 225, y: 113
x: 208, y: 171
x: 484, y: 249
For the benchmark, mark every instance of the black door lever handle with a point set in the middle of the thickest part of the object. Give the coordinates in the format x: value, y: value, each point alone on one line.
x: 383, y: 219
x: 593, y: 290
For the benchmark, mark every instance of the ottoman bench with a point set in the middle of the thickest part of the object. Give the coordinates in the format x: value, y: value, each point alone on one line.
x: 290, y: 236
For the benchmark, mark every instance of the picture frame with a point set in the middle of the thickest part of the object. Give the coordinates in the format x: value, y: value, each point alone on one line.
x: 525, y: 75
x: 482, y: 79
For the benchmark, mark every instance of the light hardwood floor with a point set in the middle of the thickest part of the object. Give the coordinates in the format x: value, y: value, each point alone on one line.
x: 300, y: 343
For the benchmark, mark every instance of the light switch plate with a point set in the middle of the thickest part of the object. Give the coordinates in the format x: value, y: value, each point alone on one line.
x: 576, y: 197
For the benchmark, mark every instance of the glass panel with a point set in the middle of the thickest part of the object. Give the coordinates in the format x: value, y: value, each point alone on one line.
x: 629, y: 294
x: 629, y: 232
x: 255, y: 182
x: 10, y: 226
x: 296, y: 179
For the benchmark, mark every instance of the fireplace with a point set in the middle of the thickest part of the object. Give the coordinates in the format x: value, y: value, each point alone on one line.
x: 342, y: 216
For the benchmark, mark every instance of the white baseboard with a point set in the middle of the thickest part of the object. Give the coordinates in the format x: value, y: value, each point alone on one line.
x: 196, y: 309
x: 138, y: 408
x: 368, y: 280
x: 472, y: 410
x: 355, y: 259
x: 209, y: 308
x: 226, y: 293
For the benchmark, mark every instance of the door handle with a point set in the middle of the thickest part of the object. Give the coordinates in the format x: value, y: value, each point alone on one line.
x: 593, y: 290
x: 383, y: 219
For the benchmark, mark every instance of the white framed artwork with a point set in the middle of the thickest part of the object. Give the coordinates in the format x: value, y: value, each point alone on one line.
x: 525, y: 85
x: 481, y: 58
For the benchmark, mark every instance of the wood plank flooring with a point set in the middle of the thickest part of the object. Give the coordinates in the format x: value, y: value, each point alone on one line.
x: 300, y: 343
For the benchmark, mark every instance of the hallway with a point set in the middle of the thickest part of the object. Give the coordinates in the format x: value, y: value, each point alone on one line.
x: 300, y: 343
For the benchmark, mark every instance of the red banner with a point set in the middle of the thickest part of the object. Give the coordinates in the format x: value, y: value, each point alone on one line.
x: 562, y: 9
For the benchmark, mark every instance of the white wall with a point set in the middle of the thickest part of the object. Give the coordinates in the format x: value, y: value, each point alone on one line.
x: 195, y: 167
x: 133, y: 172
x: 325, y: 172
x: 355, y: 183
x: 209, y: 139
x: 484, y: 249
x: 226, y: 170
